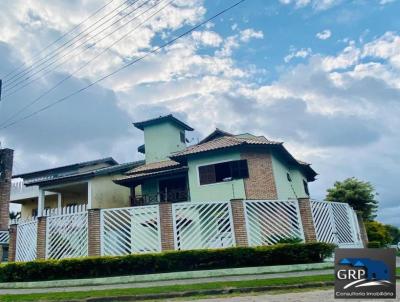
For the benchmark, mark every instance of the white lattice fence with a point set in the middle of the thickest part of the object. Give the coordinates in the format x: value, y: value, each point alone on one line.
x: 269, y: 221
x: 67, y: 236
x: 26, y: 240
x: 4, y: 237
x: 324, y: 223
x: 202, y: 225
x: 130, y: 230
x: 336, y: 223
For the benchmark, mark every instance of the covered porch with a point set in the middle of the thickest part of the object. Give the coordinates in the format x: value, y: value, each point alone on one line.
x: 156, y: 187
x: 55, y: 197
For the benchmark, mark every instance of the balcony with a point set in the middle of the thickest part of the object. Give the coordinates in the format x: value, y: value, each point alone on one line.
x: 21, y: 192
x: 160, y: 197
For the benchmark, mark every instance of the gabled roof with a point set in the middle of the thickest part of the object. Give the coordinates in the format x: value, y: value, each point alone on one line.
x: 215, y: 134
x: 169, y: 117
x: 119, y: 168
x: 156, y: 166
x: 221, y: 143
x: 218, y: 141
x: 132, y: 178
x: 107, y: 160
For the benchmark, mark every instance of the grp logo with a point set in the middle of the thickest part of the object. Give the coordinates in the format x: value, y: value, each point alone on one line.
x: 365, y: 273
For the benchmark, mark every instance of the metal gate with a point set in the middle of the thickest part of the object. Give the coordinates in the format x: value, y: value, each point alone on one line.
x: 130, y: 230
x: 336, y: 223
x: 26, y: 240
x: 202, y: 225
x: 270, y: 221
x: 67, y: 235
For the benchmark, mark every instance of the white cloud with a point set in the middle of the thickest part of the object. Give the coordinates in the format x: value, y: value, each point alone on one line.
x: 315, y: 4
x: 327, y: 109
x: 249, y: 33
x: 324, y: 35
x: 302, y: 53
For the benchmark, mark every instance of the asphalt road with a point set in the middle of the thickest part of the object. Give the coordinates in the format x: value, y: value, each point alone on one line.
x: 317, y: 295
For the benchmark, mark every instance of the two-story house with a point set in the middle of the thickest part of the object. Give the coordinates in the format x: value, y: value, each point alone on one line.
x: 222, y: 166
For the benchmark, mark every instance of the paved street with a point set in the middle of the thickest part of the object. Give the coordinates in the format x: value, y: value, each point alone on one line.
x: 318, y: 295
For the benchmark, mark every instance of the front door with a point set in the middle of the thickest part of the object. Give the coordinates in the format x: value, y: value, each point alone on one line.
x: 173, y: 189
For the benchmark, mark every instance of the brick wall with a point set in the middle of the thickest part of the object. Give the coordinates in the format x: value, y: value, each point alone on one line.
x: 12, y: 247
x: 6, y: 163
x: 41, y: 238
x: 307, y: 220
x: 94, y: 232
x: 261, y: 181
x: 239, y: 222
x: 166, y: 226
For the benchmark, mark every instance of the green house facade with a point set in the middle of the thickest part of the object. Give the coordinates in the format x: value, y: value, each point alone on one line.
x: 223, y: 166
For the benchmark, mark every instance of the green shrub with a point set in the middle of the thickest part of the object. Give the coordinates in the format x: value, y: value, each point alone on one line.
x: 173, y: 261
x: 374, y: 244
x: 291, y: 240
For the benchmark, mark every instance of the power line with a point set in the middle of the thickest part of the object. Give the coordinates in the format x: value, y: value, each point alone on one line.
x: 123, y: 67
x: 61, y: 37
x: 66, y: 55
x: 27, y: 70
x: 91, y: 60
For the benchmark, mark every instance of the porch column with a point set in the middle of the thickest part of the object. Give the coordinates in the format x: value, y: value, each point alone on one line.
x: 307, y: 220
x: 89, y: 195
x: 59, y: 201
x: 166, y: 227
x: 239, y: 222
x: 94, y: 233
x: 41, y: 238
x: 12, y: 246
x: 41, y: 199
x: 363, y: 231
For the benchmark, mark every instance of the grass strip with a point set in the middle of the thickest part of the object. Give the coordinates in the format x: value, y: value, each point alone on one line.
x: 164, y: 289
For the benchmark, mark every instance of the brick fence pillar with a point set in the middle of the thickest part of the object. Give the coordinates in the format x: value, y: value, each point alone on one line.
x: 94, y: 236
x: 239, y: 222
x: 363, y: 231
x: 307, y: 220
x: 12, y: 246
x: 166, y: 227
x: 6, y: 164
x: 41, y: 238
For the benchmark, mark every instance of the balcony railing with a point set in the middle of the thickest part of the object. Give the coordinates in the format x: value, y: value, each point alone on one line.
x: 148, y: 199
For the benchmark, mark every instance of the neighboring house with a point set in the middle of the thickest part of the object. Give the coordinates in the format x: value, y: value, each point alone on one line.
x: 87, y: 183
x: 222, y: 166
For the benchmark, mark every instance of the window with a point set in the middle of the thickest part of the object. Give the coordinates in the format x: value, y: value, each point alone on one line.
x: 225, y: 171
x: 182, y: 135
x: 305, y: 184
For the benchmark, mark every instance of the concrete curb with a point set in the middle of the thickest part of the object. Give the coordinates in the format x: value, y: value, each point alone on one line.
x: 224, y: 291
x: 169, y: 276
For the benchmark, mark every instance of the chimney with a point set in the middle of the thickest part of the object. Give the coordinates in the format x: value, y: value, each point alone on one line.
x: 6, y: 163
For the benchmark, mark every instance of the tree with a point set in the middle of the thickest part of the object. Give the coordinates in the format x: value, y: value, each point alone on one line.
x: 378, y: 232
x: 394, y: 233
x: 358, y: 194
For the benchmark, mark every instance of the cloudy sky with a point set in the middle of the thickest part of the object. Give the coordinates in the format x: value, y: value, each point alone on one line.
x: 321, y: 75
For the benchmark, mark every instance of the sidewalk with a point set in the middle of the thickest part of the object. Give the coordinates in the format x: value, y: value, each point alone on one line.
x: 164, y: 283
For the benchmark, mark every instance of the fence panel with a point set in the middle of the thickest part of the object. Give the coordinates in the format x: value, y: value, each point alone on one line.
x: 67, y: 235
x: 202, y: 225
x: 26, y: 240
x: 4, y: 237
x: 130, y: 230
x: 270, y: 221
x: 336, y: 223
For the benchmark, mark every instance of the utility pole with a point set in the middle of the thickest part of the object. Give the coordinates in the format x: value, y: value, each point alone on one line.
x: 6, y: 164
